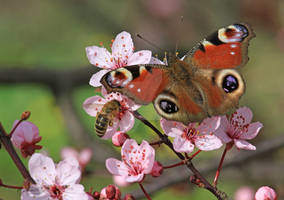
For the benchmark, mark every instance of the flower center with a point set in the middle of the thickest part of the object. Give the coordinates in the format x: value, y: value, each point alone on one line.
x: 190, y: 134
x: 238, y: 128
x: 56, y: 191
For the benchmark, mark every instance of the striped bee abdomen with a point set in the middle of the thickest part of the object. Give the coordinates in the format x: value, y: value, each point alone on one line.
x: 105, y: 117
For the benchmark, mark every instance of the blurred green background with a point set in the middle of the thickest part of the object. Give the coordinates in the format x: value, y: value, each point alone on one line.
x: 53, y: 35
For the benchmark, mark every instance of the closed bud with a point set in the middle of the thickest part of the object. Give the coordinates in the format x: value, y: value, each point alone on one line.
x: 157, y: 169
x: 25, y: 115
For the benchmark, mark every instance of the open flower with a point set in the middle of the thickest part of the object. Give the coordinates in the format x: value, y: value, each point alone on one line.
x: 200, y: 136
x: 83, y: 157
x: 54, y: 181
x: 124, y: 120
x: 237, y: 129
x: 137, y: 160
x: 265, y: 193
x: 122, y: 55
x: 26, y: 137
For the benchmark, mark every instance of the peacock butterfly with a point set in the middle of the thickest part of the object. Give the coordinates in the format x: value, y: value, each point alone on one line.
x: 202, y: 84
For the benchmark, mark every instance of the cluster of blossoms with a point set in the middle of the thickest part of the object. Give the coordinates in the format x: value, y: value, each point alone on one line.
x: 62, y: 181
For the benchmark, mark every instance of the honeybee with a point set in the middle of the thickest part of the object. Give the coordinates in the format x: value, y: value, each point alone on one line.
x: 105, y: 117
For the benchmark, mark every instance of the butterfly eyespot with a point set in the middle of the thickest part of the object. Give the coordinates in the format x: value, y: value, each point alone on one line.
x: 168, y: 106
x: 230, y: 83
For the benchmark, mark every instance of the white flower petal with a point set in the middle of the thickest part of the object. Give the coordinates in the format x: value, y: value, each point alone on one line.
x: 35, y: 193
x: 209, y: 125
x: 252, y: 131
x: 171, y: 128
x: 127, y: 121
x: 68, y: 171
x: 132, y: 179
x: 156, y: 61
x: 116, y: 167
x: 75, y: 192
x: 42, y: 169
x: 148, y: 157
x: 140, y: 57
x: 100, y: 57
x: 96, y: 78
x: 223, y: 130
x: 93, y: 105
x: 208, y: 142
x: 182, y: 145
x: 242, y: 144
x: 122, y: 47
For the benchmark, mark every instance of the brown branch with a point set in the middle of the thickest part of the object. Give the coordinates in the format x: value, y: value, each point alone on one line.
x: 53, y: 78
x: 5, y: 140
x: 181, y: 175
x: 219, y: 194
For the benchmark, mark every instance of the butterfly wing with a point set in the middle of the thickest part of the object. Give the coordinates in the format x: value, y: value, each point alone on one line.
x: 225, y: 48
x: 142, y: 83
x: 216, y: 59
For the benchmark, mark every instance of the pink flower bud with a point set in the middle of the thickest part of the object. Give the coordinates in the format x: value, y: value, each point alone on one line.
x: 119, y: 138
x: 96, y: 195
x: 265, y: 193
x: 25, y: 137
x: 244, y: 193
x: 157, y: 169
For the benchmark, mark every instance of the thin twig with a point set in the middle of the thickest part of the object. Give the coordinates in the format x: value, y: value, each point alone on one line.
x: 5, y: 140
x: 219, y: 194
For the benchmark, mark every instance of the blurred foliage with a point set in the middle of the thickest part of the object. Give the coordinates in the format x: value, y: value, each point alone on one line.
x: 54, y: 34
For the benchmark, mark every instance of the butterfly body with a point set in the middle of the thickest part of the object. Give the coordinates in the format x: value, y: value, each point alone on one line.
x: 203, y: 84
x: 105, y: 116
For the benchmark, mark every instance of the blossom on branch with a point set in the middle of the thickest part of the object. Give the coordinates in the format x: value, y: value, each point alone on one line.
x: 199, y: 135
x: 137, y: 160
x: 124, y: 120
x: 238, y: 128
x: 58, y: 182
x: 25, y: 137
x: 83, y: 157
x: 122, y: 55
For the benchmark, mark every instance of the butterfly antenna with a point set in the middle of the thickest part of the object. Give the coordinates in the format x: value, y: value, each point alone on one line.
x: 177, y: 41
x: 147, y: 41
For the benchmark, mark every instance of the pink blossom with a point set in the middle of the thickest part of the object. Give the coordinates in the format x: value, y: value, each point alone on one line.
x: 237, y: 129
x: 26, y: 137
x: 124, y: 120
x: 122, y: 55
x: 265, y: 193
x: 83, y: 157
x: 200, y: 136
x: 110, y: 192
x: 54, y: 181
x: 244, y: 193
x: 137, y: 160
x: 119, y: 138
